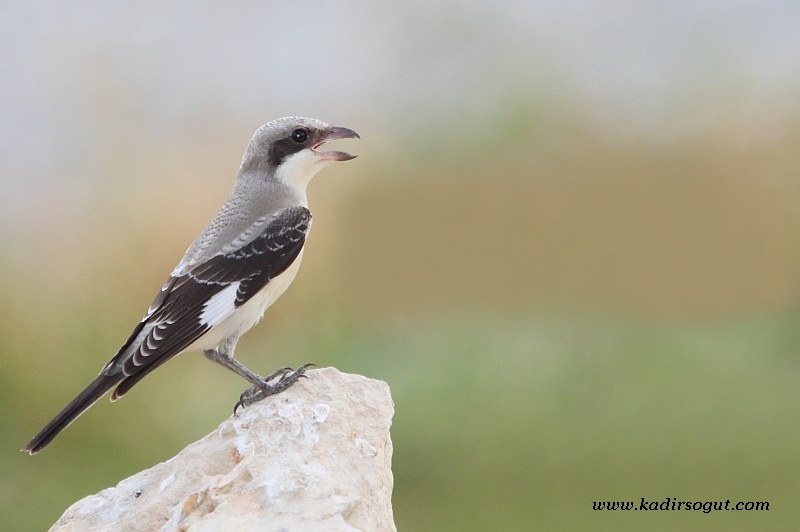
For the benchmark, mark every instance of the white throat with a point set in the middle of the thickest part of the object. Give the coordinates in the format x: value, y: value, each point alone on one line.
x: 297, y: 170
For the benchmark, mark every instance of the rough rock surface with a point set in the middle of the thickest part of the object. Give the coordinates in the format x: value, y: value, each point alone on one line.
x: 315, y: 457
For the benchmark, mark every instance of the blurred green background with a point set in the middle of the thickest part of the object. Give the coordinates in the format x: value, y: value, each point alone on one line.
x: 570, y: 244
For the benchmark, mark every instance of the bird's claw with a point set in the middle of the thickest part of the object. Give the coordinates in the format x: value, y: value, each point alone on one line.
x: 286, y: 377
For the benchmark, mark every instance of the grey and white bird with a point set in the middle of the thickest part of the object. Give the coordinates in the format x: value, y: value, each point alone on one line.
x: 238, y: 266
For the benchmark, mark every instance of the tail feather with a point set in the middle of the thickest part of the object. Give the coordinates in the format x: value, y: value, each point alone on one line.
x: 97, y: 389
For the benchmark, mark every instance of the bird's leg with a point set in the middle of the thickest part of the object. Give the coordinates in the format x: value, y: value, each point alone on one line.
x: 286, y: 377
x: 262, y: 387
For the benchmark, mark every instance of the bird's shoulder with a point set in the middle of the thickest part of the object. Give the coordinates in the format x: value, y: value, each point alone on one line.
x: 237, y: 237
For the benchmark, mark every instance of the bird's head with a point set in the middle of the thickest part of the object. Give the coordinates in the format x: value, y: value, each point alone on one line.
x: 288, y: 149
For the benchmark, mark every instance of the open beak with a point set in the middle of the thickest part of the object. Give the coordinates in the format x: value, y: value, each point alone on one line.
x: 335, y: 133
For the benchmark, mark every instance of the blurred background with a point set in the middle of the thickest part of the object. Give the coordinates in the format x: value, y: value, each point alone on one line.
x: 570, y: 243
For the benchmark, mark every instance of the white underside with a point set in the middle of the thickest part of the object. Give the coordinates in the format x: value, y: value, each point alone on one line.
x: 228, y: 321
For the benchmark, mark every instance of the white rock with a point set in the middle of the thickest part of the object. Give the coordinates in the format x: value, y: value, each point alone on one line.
x: 315, y: 457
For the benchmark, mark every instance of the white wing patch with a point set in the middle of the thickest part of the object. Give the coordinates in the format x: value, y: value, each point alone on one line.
x: 220, y: 306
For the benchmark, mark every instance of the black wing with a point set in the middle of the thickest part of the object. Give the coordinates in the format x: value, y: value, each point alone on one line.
x: 173, y: 322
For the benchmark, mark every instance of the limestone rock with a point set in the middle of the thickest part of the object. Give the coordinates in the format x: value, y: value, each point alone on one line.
x: 315, y: 457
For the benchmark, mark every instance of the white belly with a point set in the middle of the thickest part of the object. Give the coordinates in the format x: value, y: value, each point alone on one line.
x: 228, y: 321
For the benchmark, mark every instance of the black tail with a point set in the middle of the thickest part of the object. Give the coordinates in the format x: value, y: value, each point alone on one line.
x: 97, y: 389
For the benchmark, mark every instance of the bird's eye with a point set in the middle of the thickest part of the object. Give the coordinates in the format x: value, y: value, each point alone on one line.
x: 299, y: 136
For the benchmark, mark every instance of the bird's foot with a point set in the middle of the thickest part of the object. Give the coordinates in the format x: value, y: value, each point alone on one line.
x: 285, y: 378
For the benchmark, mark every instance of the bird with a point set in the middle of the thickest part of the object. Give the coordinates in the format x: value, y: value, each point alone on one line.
x: 233, y: 271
